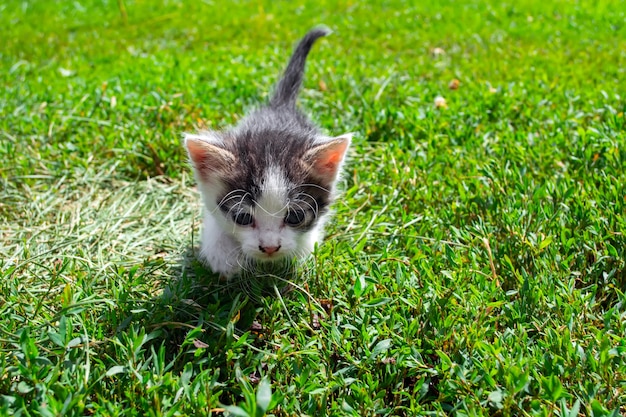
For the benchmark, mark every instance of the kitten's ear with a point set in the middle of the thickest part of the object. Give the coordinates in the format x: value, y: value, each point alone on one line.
x: 325, y: 159
x: 207, y: 155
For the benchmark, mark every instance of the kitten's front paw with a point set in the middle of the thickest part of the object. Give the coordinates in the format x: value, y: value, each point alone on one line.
x: 217, y: 250
x: 218, y: 263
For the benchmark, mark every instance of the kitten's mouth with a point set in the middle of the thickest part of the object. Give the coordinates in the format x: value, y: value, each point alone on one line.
x: 269, y: 254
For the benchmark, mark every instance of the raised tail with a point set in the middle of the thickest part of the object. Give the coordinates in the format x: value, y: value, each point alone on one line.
x: 289, y: 85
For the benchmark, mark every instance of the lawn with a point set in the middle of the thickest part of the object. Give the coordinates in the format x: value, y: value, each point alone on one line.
x: 476, y: 263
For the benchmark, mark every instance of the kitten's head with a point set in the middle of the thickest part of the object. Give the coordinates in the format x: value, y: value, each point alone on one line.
x: 269, y: 190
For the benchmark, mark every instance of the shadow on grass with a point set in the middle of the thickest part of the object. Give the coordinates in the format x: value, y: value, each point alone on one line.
x: 197, y: 309
x: 197, y: 304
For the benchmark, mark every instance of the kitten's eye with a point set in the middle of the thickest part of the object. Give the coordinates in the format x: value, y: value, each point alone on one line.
x: 295, y: 217
x: 243, y: 219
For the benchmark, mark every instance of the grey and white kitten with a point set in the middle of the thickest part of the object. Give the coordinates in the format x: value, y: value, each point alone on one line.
x: 268, y: 182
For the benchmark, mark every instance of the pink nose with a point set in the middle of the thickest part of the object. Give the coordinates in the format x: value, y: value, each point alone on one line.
x: 269, y: 249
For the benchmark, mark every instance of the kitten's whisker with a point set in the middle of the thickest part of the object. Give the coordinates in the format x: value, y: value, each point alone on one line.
x: 234, y: 253
x: 313, y: 209
x: 242, y: 262
x: 298, y: 207
x: 286, y: 206
x: 310, y: 197
x: 229, y: 197
x: 311, y: 185
x: 307, y: 195
x: 237, y: 206
x: 272, y: 214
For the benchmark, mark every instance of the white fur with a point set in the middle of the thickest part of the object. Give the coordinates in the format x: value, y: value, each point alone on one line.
x: 226, y: 246
x: 269, y: 214
x: 204, y: 135
x: 218, y: 249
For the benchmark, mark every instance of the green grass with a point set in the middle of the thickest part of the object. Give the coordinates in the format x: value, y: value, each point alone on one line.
x: 476, y: 264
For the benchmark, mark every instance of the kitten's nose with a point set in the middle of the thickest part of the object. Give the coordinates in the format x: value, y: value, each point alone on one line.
x: 269, y: 249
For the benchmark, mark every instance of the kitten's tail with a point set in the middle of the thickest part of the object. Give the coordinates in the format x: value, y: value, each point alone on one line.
x: 289, y: 85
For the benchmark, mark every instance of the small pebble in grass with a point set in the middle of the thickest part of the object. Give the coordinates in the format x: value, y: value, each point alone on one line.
x: 327, y: 305
x: 454, y: 84
x: 437, y: 52
x: 441, y: 103
x: 66, y: 72
x: 254, y: 378
x: 315, y: 321
x: 57, y: 264
x: 256, y: 327
x: 200, y: 344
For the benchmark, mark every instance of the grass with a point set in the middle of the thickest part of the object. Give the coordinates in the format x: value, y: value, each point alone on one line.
x: 476, y: 264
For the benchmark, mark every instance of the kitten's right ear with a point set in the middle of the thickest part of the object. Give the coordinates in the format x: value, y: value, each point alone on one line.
x: 207, y: 155
x: 325, y: 159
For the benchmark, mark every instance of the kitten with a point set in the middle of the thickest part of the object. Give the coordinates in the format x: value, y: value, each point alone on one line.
x: 268, y: 182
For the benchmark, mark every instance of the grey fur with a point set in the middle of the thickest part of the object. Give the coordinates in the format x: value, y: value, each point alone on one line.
x: 288, y: 87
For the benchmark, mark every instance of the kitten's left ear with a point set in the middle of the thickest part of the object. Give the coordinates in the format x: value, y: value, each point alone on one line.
x: 325, y: 159
x: 208, y: 157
